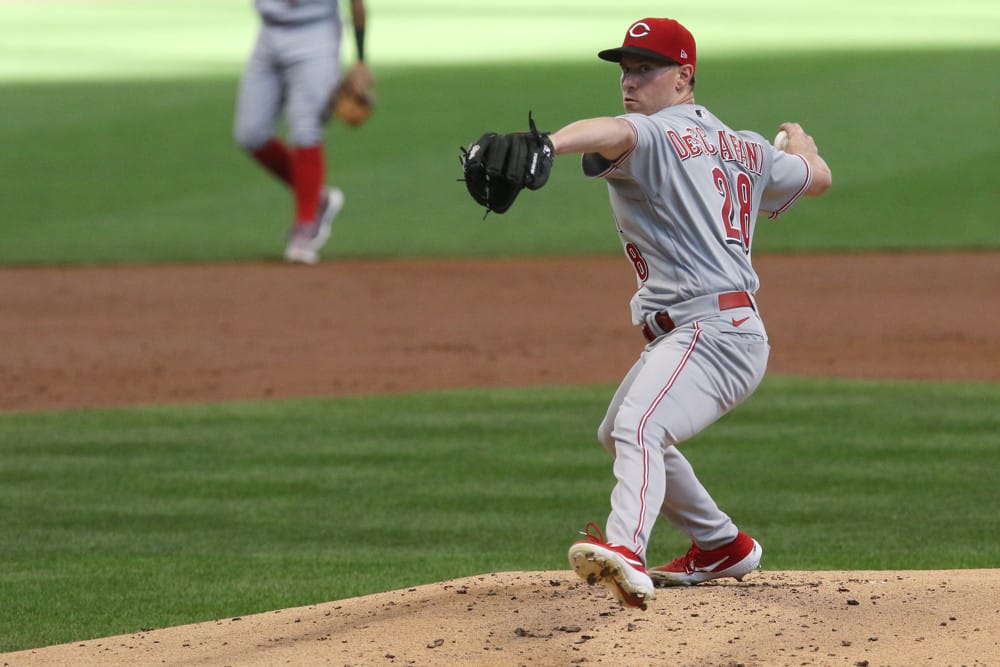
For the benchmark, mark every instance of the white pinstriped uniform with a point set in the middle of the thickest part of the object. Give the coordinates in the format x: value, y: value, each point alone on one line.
x: 685, y: 201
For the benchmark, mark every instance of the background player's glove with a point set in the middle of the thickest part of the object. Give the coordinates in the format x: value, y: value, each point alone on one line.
x: 353, y: 101
x: 498, y: 166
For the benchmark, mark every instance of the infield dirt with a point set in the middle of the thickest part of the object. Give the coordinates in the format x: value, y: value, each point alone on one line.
x: 89, y: 337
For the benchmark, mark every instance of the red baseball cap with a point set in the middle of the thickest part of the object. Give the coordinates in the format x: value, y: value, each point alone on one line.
x: 659, y: 39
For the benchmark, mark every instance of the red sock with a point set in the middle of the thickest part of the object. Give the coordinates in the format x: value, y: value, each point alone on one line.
x: 276, y: 158
x: 308, y: 172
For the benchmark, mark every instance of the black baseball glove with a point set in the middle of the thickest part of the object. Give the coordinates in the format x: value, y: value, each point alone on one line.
x: 498, y: 166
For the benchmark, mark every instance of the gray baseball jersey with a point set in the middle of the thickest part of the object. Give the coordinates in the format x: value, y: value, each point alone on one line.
x: 686, y: 201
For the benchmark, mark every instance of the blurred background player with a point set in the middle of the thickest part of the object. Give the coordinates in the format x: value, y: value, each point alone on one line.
x: 292, y: 70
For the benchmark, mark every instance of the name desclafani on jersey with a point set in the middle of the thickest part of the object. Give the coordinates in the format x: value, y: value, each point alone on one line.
x: 729, y: 147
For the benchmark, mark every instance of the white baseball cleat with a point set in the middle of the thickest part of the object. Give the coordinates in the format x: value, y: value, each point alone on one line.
x: 736, y: 559
x: 305, y: 241
x: 615, y: 566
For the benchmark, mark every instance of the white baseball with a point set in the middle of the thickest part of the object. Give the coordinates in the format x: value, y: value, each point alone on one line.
x: 780, y: 140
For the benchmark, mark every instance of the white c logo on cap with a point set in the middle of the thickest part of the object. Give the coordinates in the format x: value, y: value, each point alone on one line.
x: 639, y: 29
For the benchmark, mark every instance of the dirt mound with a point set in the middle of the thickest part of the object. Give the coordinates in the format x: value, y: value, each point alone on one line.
x: 552, y: 618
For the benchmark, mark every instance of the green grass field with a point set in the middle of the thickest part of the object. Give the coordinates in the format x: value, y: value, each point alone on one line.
x: 146, y: 171
x: 121, y: 519
x: 115, y: 122
x: 106, y: 165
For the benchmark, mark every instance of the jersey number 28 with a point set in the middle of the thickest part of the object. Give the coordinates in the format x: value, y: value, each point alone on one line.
x: 736, y: 210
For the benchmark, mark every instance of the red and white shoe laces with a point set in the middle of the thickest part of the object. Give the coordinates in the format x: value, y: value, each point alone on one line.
x: 619, y: 568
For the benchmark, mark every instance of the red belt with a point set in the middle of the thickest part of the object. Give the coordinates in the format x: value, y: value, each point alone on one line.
x: 727, y: 301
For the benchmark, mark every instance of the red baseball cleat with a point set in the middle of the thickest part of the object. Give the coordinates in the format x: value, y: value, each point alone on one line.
x: 613, y: 565
x: 736, y: 559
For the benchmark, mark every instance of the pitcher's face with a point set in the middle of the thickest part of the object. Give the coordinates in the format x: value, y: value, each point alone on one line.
x: 650, y: 85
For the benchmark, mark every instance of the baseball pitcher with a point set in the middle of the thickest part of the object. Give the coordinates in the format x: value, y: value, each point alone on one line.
x: 686, y: 191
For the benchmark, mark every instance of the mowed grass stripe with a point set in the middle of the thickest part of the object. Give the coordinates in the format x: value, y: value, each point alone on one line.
x: 120, y: 519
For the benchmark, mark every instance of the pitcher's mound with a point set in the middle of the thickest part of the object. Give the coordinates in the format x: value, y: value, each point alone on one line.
x: 939, y: 617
